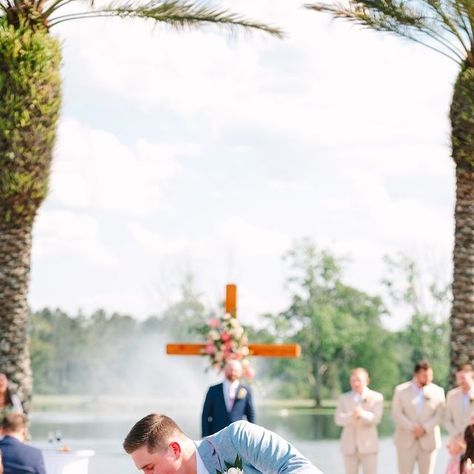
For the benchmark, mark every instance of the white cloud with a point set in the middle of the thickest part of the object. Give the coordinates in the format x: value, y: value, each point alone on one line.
x: 68, y: 235
x: 249, y: 239
x: 157, y: 244
x: 94, y: 169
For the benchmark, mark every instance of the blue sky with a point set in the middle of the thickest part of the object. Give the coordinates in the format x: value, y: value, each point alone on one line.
x: 202, y: 152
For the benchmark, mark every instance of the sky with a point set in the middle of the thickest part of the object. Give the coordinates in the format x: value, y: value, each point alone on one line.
x: 213, y: 154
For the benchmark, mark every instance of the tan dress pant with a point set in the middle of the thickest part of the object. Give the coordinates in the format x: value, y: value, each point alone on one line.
x: 408, y: 457
x: 367, y: 461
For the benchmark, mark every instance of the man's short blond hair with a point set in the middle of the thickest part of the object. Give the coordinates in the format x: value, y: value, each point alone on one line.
x: 360, y: 370
x: 153, y: 431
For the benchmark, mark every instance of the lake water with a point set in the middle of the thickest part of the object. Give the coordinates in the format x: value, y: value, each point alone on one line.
x: 315, y: 436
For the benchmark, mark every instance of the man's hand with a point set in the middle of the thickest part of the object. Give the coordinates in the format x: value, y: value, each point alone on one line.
x: 357, y: 413
x: 418, y: 431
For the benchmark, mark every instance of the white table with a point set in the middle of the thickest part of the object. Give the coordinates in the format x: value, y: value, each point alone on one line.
x: 72, y: 462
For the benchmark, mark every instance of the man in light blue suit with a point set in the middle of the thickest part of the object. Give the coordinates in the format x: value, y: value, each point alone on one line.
x: 158, y: 446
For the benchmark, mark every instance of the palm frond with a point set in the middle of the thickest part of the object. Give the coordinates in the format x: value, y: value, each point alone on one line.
x: 445, y: 26
x: 178, y: 14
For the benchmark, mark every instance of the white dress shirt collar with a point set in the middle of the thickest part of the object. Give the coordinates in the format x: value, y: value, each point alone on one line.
x: 360, y: 397
x: 200, y: 467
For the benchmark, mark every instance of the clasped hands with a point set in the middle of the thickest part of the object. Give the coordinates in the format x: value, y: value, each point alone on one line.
x: 357, y: 413
x: 418, y: 431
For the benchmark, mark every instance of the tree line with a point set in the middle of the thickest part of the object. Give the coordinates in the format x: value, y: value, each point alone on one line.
x: 338, y: 326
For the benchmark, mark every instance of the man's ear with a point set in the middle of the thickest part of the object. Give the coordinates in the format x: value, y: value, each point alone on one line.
x: 175, y: 448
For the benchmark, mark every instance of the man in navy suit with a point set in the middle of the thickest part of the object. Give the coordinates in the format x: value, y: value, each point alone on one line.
x: 17, y: 457
x: 227, y: 402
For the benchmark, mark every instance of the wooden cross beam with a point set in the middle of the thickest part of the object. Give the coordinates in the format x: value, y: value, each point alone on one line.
x: 260, y: 350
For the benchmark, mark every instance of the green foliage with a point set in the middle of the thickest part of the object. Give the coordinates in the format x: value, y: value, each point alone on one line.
x: 427, y: 334
x: 185, y: 318
x: 338, y: 326
x: 80, y: 354
x: 101, y: 353
x: 179, y: 14
x: 445, y: 27
x: 238, y: 464
x: 29, y: 109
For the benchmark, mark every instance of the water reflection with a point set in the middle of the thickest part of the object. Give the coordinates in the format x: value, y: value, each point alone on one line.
x: 295, y: 424
x: 308, y: 426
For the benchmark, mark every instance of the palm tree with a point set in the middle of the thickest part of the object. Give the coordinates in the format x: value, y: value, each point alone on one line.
x: 446, y: 26
x: 30, y: 98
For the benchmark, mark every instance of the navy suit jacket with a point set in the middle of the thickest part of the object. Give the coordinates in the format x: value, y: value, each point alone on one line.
x: 215, y: 415
x: 19, y: 458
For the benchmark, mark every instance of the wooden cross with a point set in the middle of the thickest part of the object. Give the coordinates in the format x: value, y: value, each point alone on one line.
x: 261, y: 350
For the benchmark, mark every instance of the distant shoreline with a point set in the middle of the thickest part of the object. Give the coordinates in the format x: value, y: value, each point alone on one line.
x: 113, y: 402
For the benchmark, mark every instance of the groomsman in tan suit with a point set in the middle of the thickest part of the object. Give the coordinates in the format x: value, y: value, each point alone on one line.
x: 418, y: 409
x: 460, y: 404
x: 359, y: 412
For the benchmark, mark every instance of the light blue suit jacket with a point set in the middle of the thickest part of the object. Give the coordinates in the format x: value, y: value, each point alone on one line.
x: 261, y: 450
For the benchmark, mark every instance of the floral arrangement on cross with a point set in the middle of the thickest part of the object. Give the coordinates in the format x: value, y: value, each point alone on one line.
x: 227, y: 339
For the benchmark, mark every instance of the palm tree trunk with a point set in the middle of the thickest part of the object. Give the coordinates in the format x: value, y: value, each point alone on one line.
x: 462, y: 313
x: 30, y: 98
x: 15, y: 249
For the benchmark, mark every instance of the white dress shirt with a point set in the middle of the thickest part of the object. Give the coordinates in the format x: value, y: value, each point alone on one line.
x: 420, y: 397
x: 200, y: 467
x: 230, y: 392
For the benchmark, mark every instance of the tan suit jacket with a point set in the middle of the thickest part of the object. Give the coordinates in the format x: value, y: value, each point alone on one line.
x: 359, y: 436
x: 458, y: 415
x: 406, y: 415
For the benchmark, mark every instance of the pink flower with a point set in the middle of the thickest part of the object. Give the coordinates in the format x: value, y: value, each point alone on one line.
x: 214, y: 323
x: 249, y: 373
x: 225, y: 337
x: 210, y: 349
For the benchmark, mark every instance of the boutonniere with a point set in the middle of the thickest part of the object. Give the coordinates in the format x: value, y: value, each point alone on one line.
x: 471, y: 398
x: 365, y: 400
x: 242, y: 393
x: 235, y: 468
x: 426, y: 395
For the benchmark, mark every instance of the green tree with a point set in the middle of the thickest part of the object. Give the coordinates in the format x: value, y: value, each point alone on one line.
x: 448, y: 28
x: 426, y: 335
x: 103, y: 353
x: 30, y: 98
x: 337, y: 326
x: 58, y: 351
x: 182, y: 318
